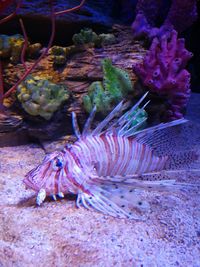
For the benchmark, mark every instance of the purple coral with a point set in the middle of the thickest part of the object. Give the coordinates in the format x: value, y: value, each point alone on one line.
x: 149, y: 8
x: 181, y: 15
x: 163, y: 72
x: 142, y: 28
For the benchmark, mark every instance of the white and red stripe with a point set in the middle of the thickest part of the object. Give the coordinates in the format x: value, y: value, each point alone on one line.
x: 117, y: 155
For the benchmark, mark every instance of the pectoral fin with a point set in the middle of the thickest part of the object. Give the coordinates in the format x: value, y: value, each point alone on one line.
x: 124, y: 202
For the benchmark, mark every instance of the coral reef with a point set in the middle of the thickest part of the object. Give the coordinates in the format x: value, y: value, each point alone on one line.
x: 181, y: 15
x: 11, y: 47
x: 87, y: 36
x: 116, y: 85
x: 77, y: 75
x: 39, y: 96
x: 163, y: 72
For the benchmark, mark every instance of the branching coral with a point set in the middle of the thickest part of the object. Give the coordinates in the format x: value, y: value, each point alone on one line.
x: 41, y: 97
x: 163, y: 72
x: 116, y: 85
x: 181, y: 15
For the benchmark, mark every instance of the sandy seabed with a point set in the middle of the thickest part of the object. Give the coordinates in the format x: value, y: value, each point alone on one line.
x: 59, y: 234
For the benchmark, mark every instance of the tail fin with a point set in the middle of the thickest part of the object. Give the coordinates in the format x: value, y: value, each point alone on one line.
x: 180, y: 142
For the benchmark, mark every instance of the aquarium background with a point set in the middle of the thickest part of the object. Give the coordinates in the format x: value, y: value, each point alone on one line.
x: 97, y: 60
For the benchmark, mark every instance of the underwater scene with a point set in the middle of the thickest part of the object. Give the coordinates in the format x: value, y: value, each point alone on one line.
x: 100, y: 133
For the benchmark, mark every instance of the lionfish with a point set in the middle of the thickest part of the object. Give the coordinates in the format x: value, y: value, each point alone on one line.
x: 110, y: 166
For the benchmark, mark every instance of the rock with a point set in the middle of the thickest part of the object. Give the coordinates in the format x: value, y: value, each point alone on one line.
x: 9, y: 122
x: 81, y: 69
x: 12, y: 131
x: 96, y: 15
x: 14, y: 138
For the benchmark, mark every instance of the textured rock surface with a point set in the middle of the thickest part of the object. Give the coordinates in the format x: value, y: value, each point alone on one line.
x: 59, y: 234
x: 35, y: 14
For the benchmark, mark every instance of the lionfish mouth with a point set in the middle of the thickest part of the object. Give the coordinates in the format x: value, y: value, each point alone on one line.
x: 44, y: 179
x: 31, y: 179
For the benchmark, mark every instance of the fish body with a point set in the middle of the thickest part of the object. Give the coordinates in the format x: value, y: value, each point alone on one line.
x: 104, y: 166
x: 72, y: 169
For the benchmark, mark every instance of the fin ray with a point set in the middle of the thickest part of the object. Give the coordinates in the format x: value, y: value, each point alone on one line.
x: 104, y: 201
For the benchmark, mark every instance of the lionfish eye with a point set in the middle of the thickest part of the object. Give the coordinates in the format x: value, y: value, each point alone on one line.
x: 57, y: 164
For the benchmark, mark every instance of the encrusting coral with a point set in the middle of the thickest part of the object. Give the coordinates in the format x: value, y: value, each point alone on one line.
x: 181, y: 15
x: 163, y: 72
x: 39, y: 96
x: 116, y: 85
x: 11, y: 47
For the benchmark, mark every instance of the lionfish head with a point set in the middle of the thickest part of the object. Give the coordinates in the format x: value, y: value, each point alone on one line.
x: 46, y: 179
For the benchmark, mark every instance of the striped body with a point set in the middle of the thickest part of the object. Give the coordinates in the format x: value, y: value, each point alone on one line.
x: 109, y: 169
x: 91, y: 157
x: 114, y: 155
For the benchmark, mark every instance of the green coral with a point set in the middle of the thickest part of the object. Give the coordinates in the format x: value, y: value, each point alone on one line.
x: 87, y: 36
x: 84, y: 37
x: 39, y: 96
x: 116, y: 85
x: 59, y: 54
x: 98, y: 97
x: 116, y: 80
x: 11, y: 47
x: 137, y: 117
x: 107, y: 39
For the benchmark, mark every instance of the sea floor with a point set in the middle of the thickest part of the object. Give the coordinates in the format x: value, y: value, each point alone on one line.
x: 59, y: 234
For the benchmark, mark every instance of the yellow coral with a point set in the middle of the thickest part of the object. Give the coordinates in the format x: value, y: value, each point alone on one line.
x: 41, y: 97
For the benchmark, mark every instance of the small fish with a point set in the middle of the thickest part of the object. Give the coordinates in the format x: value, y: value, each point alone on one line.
x: 110, y: 167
